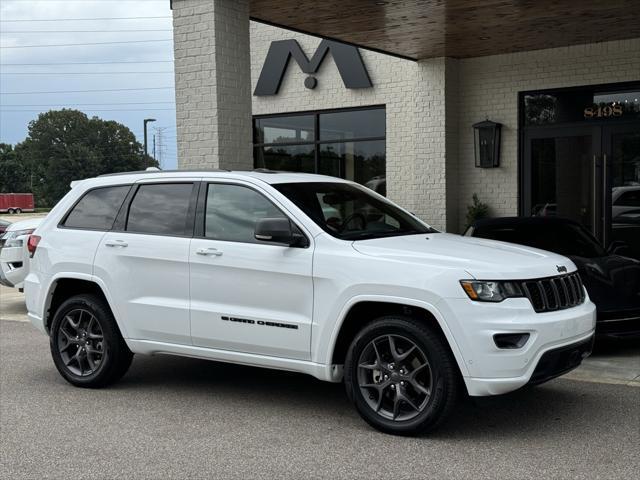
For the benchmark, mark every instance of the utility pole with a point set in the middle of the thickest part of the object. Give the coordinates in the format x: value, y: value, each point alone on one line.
x: 146, y: 120
x: 159, y: 144
x: 154, y: 146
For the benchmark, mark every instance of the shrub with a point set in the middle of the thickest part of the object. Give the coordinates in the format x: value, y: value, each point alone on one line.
x: 477, y: 210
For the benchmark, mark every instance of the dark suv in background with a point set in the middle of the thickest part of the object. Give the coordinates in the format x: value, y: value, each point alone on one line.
x: 611, y: 279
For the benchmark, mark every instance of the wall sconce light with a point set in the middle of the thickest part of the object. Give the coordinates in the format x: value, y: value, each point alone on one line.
x: 487, y: 144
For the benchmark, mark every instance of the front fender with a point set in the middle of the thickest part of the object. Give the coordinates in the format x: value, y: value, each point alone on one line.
x: 331, y: 341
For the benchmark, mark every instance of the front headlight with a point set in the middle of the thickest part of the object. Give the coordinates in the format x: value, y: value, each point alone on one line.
x: 491, y: 291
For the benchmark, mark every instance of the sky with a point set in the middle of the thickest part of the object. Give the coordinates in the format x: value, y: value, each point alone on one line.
x: 40, y: 52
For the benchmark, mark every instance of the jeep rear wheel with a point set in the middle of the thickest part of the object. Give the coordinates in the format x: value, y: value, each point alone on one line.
x: 86, y: 345
x: 401, y: 376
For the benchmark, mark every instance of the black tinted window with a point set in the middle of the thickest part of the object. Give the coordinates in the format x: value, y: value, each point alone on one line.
x: 353, y: 124
x: 232, y: 212
x: 98, y: 208
x: 161, y: 209
x: 350, y: 212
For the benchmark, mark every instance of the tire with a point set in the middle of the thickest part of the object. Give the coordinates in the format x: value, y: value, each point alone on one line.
x: 10, y: 211
x: 428, y: 376
x: 101, y: 354
x: 18, y: 211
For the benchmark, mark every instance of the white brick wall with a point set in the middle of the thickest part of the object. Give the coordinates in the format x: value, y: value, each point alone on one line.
x: 213, y: 96
x: 413, y: 94
x: 489, y: 86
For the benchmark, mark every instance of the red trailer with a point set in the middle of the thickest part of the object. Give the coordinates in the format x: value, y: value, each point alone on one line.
x: 16, y: 202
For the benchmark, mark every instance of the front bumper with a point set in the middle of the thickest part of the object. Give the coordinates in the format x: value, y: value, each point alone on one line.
x: 561, y: 360
x: 12, y: 266
x: 489, y: 370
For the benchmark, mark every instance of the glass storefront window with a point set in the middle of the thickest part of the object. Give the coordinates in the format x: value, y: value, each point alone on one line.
x: 352, y: 124
x: 348, y: 144
x: 289, y: 129
x: 582, y: 105
x: 362, y: 162
x: 289, y: 158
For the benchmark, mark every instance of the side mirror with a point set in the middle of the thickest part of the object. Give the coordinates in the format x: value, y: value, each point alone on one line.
x: 279, y: 230
x: 618, y: 247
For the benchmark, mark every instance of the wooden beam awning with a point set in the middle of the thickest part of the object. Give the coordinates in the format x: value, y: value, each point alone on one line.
x: 419, y: 29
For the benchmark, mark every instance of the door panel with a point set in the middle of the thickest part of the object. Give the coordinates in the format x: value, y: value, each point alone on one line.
x: 251, y: 298
x: 621, y: 145
x: 149, y: 276
x: 565, y: 176
x: 246, y: 295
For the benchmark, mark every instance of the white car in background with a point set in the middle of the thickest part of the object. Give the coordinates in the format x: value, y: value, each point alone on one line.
x: 625, y: 199
x: 14, y: 258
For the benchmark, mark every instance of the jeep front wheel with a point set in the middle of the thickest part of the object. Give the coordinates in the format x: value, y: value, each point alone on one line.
x: 401, y: 376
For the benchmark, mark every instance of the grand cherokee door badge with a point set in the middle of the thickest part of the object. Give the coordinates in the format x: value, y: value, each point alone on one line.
x: 259, y: 322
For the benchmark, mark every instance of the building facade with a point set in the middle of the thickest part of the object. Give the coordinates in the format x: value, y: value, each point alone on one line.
x: 569, y: 116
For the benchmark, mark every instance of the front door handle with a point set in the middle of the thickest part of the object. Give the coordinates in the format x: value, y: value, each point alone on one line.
x: 209, y: 251
x: 116, y: 243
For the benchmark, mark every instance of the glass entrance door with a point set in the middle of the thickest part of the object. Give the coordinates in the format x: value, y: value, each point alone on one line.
x: 563, y: 175
x: 621, y: 159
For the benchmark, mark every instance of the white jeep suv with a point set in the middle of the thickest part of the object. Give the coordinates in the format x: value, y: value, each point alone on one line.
x: 299, y: 272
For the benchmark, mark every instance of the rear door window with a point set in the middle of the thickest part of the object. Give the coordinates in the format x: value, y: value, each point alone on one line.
x: 161, y: 209
x: 97, y: 209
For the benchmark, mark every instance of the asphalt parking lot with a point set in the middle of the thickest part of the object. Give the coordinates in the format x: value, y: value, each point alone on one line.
x: 185, y: 418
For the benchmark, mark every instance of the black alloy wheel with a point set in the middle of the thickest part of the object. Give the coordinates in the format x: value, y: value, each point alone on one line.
x: 401, y: 375
x: 394, y: 377
x: 81, y: 342
x: 86, y: 345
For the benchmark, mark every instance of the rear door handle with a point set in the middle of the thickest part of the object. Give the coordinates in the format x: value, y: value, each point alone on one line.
x: 116, y: 243
x: 209, y: 251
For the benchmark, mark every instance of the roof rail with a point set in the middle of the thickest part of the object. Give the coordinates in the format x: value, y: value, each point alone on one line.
x: 140, y: 172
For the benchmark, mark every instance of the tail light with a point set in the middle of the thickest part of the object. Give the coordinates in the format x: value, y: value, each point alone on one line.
x: 32, y: 244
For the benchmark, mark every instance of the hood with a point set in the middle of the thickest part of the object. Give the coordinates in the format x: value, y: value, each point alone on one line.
x: 482, y: 259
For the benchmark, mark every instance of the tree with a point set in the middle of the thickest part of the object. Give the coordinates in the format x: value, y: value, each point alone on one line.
x: 13, y: 175
x: 66, y: 145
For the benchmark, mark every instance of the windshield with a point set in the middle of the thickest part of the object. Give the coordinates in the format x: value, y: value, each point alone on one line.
x: 351, y: 212
x: 566, y: 239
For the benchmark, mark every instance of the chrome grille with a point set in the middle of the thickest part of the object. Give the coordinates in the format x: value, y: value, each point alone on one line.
x: 555, y: 293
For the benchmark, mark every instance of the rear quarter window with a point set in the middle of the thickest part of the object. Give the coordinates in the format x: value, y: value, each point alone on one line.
x: 97, y: 209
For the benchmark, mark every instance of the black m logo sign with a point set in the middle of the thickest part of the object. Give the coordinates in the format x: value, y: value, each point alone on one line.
x: 347, y: 58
